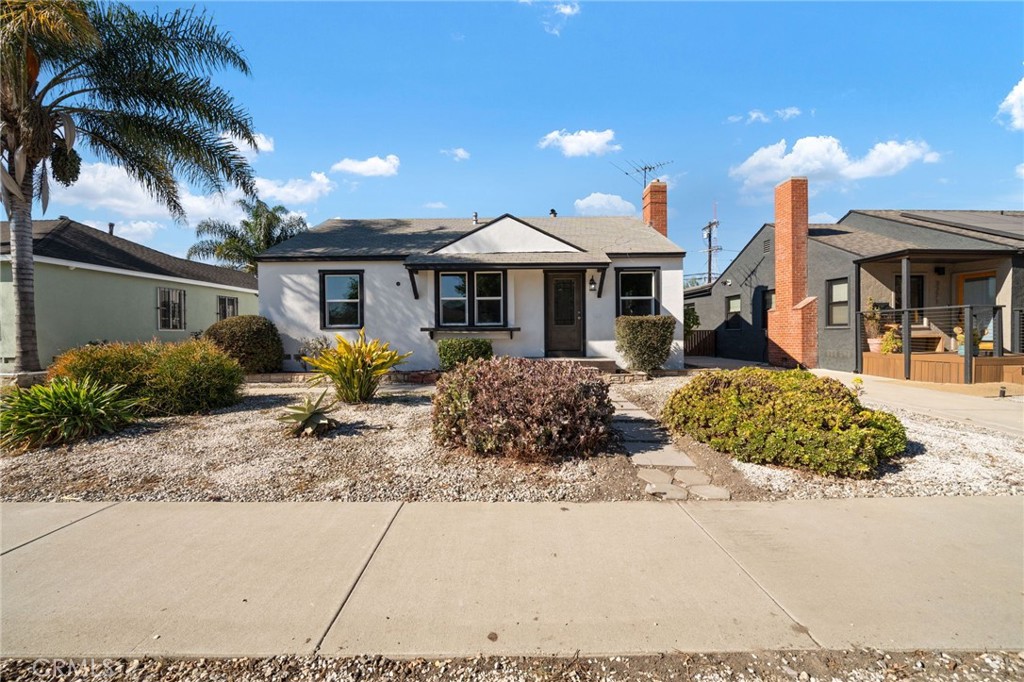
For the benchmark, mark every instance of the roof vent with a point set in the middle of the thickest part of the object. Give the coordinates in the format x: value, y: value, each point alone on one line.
x: 554, y: 213
x: 110, y: 228
x: 476, y: 220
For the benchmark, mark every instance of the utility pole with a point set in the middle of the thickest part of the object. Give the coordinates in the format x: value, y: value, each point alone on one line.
x: 708, y: 232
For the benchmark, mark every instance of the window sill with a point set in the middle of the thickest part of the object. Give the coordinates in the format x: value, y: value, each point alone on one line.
x: 347, y: 326
x: 465, y: 330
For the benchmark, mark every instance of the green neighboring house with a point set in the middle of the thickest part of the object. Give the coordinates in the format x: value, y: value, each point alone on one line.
x: 94, y: 286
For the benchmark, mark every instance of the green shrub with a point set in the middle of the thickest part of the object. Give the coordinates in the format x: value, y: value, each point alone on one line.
x: 691, y: 321
x: 453, y: 352
x: 645, y: 341
x: 790, y: 418
x: 251, y: 339
x: 355, y: 368
x: 171, y: 378
x: 892, y: 341
x: 531, y: 410
x: 309, y: 418
x: 62, y: 411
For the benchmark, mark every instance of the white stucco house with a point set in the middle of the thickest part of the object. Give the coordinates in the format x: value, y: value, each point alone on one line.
x: 537, y: 287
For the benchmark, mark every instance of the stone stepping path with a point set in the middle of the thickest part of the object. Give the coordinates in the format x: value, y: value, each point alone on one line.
x: 649, y: 446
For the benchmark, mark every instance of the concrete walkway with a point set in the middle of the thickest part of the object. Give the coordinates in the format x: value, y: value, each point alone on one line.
x: 460, y: 579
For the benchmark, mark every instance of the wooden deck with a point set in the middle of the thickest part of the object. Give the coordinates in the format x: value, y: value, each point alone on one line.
x: 946, y: 368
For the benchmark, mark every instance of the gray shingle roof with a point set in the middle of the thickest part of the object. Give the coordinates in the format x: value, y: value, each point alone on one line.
x: 401, y: 238
x: 66, y: 239
x: 855, y: 241
x: 991, y: 228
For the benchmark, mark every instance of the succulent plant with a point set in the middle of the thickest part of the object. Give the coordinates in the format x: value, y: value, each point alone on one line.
x: 309, y: 418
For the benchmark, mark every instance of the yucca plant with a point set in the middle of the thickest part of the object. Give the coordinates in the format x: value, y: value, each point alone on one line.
x: 63, y: 411
x: 309, y: 418
x: 355, y: 367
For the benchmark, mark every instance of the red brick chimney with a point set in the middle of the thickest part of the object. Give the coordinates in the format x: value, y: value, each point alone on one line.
x: 656, y: 206
x: 793, y: 323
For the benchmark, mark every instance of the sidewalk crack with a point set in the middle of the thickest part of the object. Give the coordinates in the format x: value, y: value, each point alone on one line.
x: 70, y: 523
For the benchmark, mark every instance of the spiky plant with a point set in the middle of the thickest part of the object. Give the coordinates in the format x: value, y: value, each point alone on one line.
x: 309, y: 418
x: 134, y: 87
x: 355, y: 368
x: 238, y: 245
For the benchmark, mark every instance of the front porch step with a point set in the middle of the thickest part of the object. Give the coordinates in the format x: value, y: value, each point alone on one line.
x: 603, y: 365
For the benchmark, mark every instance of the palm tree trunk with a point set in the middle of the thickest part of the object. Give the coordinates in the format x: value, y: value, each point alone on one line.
x: 26, y: 349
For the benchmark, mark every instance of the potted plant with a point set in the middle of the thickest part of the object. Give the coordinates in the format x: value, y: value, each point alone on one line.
x: 891, y: 342
x: 873, y: 326
x: 961, y: 337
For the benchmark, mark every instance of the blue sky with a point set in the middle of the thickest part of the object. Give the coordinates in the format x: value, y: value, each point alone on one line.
x: 424, y: 109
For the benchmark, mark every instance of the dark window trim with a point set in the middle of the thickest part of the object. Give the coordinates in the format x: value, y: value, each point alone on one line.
x: 829, y: 303
x: 226, y: 298
x: 764, y: 306
x: 470, y: 274
x: 655, y: 271
x: 323, y: 300
x: 159, y: 310
x: 729, y: 315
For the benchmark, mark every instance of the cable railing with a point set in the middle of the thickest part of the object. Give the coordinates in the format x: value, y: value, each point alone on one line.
x: 1017, y: 330
x: 966, y: 330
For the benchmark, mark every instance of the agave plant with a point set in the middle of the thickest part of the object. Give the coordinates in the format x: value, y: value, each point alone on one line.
x: 355, y: 367
x: 309, y: 418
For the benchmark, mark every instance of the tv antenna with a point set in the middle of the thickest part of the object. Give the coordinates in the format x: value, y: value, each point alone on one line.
x: 642, y: 168
x: 708, y: 233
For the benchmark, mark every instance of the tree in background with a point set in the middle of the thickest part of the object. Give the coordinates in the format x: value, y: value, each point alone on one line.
x: 238, y: 245
x: 135, y: 89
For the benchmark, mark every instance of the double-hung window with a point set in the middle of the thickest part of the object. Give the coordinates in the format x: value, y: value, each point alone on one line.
x: 227, y: 306
x: 838, y: 298
x: 471, y: 299
x: 341, y: 299
x: 637, y: 292
x: 733, y: 313
x: 170, y: 309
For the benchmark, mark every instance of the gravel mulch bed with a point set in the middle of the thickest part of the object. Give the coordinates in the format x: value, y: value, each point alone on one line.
x: 383, y: 451
x: 944, y: 458
x: 863, y: 665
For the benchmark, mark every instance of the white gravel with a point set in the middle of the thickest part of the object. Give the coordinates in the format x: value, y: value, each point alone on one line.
x: 944, y: 458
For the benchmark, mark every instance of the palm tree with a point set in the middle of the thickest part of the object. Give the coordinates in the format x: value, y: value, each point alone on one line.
x: 135, y: 89
x: 238, y: 245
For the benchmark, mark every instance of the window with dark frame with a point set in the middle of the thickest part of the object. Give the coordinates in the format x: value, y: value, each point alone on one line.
x: 837, y: 296
x: 170, y: 309
x: 227, y: 306
x: 733, y: 312
x: 637, y: 292
x: 471, y: 299
x: 341, y: 299
x: 916, y: 296
x: 767, y: 303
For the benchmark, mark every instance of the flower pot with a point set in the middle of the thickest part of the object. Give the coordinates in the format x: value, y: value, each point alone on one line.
x: 875, y: 345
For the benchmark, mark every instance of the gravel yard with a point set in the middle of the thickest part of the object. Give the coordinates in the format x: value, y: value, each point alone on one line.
x: 944, y: 458
x: 383, y: 451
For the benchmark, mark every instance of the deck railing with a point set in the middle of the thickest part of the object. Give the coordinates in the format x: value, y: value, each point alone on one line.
x: 1017, y: 330
x: 969, y: 330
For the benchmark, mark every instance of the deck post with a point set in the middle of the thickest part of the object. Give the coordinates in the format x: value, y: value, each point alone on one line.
x: 858, y: 318
x: 997, y: 331
x: 968, y: 345
x: 905, y: 300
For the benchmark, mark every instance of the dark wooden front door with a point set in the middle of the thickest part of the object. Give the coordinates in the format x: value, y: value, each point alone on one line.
x: 563, y: 313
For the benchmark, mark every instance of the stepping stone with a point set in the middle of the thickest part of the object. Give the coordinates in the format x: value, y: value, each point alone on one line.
x: 688, y: 477
x: 636, y: 429
x: 709, y: 492
x: 654, y: 455
x: 654, y: 476
x: 669, y: 491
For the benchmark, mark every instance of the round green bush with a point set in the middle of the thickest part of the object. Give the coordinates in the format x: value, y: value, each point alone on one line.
x: 791, y: 418
x: 645, y: 341
x: 252, y: 340
x: 109, y: 364
x: 530, y: 410
x: 452, y: 352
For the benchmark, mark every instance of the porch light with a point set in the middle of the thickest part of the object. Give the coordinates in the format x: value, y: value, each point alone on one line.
x: 593, y: 284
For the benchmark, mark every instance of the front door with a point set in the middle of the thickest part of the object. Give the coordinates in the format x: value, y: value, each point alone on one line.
x: 563, y: 314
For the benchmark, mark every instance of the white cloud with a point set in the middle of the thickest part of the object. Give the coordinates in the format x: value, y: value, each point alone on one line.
x: 756, y: 116
x: 567, y: 9
x: 598, y: 203
x: 735, y: 118
x: 823, y: 159
x: 788, y: 113
x: 371, y: 167
x: 264, y: 145
x: 1020, y: 170
x: 457, y: 153
x: 581, y: 143
x: 435, y: 205
x: 1013, y: 106
x: 140, y: 231
x: 557, y: 15
x: 822, y: 218
x: 295, y: 191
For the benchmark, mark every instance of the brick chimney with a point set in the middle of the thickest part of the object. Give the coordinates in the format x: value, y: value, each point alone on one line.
x: 656, y: 206
x: 793, y: 323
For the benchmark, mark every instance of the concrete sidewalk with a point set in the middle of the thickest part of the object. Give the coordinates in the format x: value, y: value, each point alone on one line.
x: 1001, y: 414
x: 460, y: 579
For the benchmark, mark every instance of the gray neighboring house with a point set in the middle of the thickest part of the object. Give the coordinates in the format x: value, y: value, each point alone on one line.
x: 94, y: 286
x: 953, y: 258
